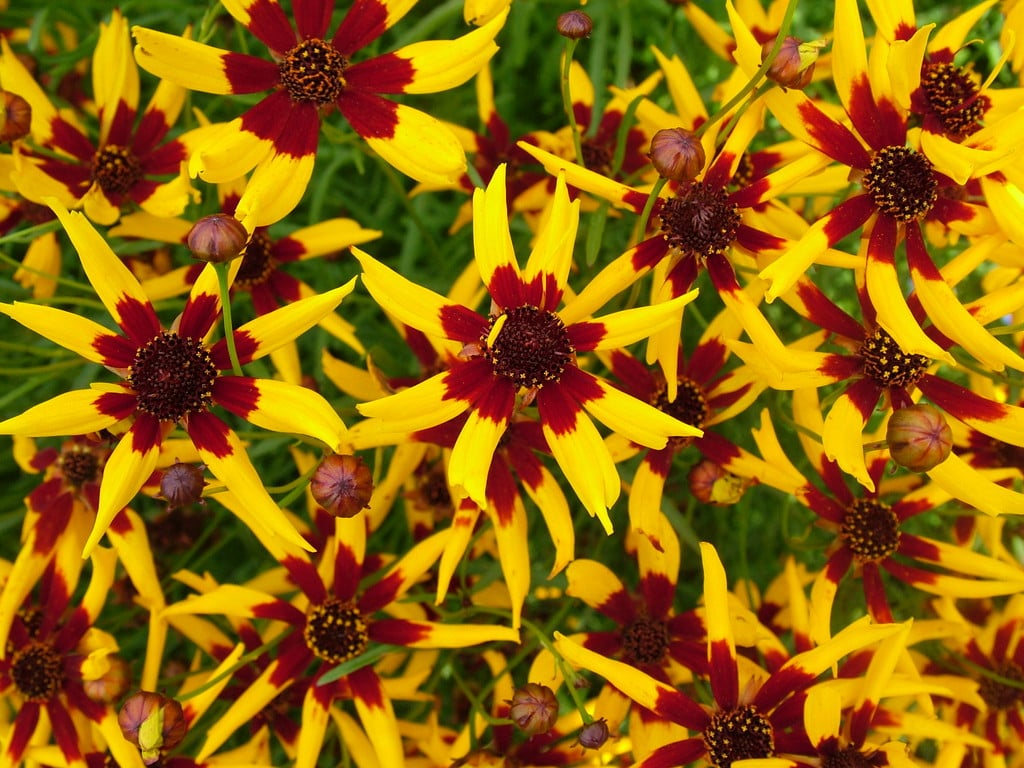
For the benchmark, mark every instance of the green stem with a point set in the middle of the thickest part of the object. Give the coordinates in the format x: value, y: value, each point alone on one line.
x: 648, y: 207
x: 570, y: 46
x: 225, y: 303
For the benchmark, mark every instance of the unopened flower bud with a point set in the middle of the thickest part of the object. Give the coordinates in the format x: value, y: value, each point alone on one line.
x: 594, y: 735
x: 217, y: 238
x: 533, y: 708
x: 575, y: 25
x: 711, y: 483
x: 15, y: 117
x: 111, y: 686
x: 793, y: 67
x: 342, y: 485
x: 182, y: 485
x: 153, y: 722
x: 918, y: 437
x: 677, y: 154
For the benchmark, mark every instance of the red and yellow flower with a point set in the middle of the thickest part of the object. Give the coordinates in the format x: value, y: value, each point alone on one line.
x: 172, y: 376
x: 310, y: 73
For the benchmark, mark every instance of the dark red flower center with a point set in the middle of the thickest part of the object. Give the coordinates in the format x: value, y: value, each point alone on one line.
x: 313, y: 71
x: 742, y: 733
x: 901, y: 183
x: 954, y: 97
x: 37, y: 671
x: 335, y: 631
x: 1001, y: 695
x: 870, y: 529
x: 690, y: 406
x: 116, y: 170
x: 172, y: 376
x: 645, y: 640
x: 700, y: 221
x: 258, y: 261
x: 432, y: 489
x: 597, y: 157
x: 889, y: 365
x: 847, y: 757
x: 531, y: 346
x: 79, y: 465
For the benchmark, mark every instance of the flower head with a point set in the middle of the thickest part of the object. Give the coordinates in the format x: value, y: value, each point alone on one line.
x: 523, y: 352
x: 172, y: 376
x: 310, y: 73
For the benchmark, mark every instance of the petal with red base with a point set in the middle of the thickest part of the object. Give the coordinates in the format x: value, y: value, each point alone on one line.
x: 224, y: 455
x: 72, y: 413
x: 200, y: 67
x: 441, y: 64
x: 81, y: 335
x: 128, y: 467
x: 114, y: 283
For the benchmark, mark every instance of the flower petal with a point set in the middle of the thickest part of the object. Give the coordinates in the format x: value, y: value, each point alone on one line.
x: 442, y: 64
x: 71, y: 413
x: 79, y: 334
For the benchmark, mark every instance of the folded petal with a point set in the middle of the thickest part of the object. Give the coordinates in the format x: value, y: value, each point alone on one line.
x: 442, y: 64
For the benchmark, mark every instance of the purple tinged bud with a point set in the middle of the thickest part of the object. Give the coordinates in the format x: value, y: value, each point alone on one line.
x: 918, y: 437
x: 575, y: 25
x: 677, y: 154
x: 217, y: 238
x: 533, y: 708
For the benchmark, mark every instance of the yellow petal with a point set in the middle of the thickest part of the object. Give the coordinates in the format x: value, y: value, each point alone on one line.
x: 422, y: 148
x: 843, y: 439
x: 442, y: 64
x: 196, y: 66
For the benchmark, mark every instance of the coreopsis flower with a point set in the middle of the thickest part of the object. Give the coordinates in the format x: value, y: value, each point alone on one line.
x: 265, y: 273
x: 309, y: 74
x: 873, y: 537
x: 754, y: 714
x: 649, y: 633
x: 879, y: 372
x: 707, y: 223
x: 336, y: 618
x: 51, y: 653
x: 706, y: 395
x: 128, y: 161
x: 990, y: 656
x: 901, y: 188
x: 172, y: 376
x: 523, y: 351
x: 528, y: 188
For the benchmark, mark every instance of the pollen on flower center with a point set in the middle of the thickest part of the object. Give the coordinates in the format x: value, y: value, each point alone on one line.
x: 901, y: 183
x: 116, y: 170
x: 37, y: 671
x: 1000, y: 695
x: 258, y: 262
x: 889, y: 365
x: 645, y: 640
x: 870, y: 529
x: 335, y: 631
x: 531, y: 346
x: 313, y: 71
x: 700, y: 221
x: 848, y: 757
x: 954, y: 97
x: 690, y: 406
x: 172, y: 376
x: 742, y: 733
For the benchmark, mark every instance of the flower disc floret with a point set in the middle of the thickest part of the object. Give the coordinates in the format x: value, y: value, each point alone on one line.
x: 258, y: 262
x: 335, y: 631
x: 848, y: 757
x: 116, y: 169
x: 172, y: 376
x: 38, y: 671
x: 999, y: 695
x: 645, y: 640
x: 690, y: 405
x: 700, y: 222
x: 901, y: 183
x: 742, y: 733
x: 80, y: 466
x: 528, y: 345
x: 313, y: 71
x: 954, y: 97
x: 889, y: 365
x: 871, y: 530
